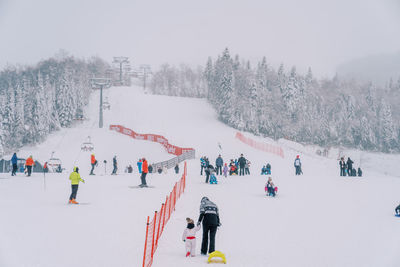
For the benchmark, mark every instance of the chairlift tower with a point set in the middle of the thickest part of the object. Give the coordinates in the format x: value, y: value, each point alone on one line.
x: 145, y: 71
x: 100, y: 83
x: 121, y: 61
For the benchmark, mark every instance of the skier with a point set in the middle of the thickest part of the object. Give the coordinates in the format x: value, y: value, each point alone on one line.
x: 14, y: 162
x: 342, y: 165
x: 218, y: 163
x: 189, y: 237
x: 246, y: 167
x: 29, y: 163
x: 297, y: 165
x: 145, y: 170
x: 210, y: 218
x: 75, y: 178
x: 242, y: 164
x: 349, y: 166
x: 93, y: 162
x: 114, y: 172
x: 139, y: 165
x: 397, y: 210
x: 176, y: 168
x: 225, y: 170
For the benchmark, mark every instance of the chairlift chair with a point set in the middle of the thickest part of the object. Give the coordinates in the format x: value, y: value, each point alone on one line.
x: 87, y: 146
x: 54, y: 164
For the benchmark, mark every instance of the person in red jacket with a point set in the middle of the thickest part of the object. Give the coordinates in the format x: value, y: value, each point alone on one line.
x: 29, y: 164
x: 145, y: 170
x: 93, y: 162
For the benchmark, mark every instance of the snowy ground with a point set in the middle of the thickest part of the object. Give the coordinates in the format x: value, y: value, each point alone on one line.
x: 318, y: 219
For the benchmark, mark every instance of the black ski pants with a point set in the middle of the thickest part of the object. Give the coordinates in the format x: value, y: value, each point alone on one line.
x: 143, y: 178
x: 212, y: 230
x: 297, y: 170
x: 241, y: 170
x: 342, y: 171
x: 14, y: 169
x: 201, y: 171
x: 91, y: 171
x: 219, y: 170
x: 247, y: 171
x: 29, y: 169
x: 74, y: 191
x: 114, y: 170
x: 207, y: 177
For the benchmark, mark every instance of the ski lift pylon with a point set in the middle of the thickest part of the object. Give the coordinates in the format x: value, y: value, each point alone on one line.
x: 88, y: 145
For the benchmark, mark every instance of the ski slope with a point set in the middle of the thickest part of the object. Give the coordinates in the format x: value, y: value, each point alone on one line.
x: 318, y: 219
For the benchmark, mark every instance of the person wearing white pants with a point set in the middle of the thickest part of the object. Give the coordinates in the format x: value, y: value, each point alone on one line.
x: 189, y: 237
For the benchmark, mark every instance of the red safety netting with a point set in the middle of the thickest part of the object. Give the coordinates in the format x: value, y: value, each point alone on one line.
x: 171, y: 149
x: 155, y: 227
x: 277, y: 150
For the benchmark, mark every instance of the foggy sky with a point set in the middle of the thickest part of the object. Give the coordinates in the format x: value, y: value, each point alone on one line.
x: 316, y: 33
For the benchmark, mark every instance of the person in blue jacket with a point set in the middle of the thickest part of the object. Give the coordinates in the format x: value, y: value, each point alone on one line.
x: 14, y: 162
x: 139, y: 165
x: 219, y: 162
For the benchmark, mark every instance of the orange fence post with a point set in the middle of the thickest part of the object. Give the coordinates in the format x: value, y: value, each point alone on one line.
x: 145, y: 242
x: 159, y: 221
x: 154, y: 229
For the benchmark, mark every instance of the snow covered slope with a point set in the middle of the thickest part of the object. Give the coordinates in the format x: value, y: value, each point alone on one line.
x: 318, y: 219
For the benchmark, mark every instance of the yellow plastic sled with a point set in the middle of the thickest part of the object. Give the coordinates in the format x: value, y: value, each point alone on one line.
x: 216, y: 254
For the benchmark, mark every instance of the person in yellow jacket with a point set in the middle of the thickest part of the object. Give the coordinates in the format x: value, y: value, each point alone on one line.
x: 75, y: 178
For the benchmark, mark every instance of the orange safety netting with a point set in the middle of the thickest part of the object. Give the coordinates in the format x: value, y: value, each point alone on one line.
x: 155, y: 227
x: 277, y: 150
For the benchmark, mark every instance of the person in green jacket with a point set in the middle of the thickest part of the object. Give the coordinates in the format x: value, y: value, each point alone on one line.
x: 75, y: 178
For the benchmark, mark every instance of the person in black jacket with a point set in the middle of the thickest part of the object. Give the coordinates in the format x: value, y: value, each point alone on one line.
x: 210, y: 218
x: 242, y: 164
x: 208, y: 172
x: 397, y: 210
x: 114, y: 172
x: 342, y: 165
x: 349, y: 166
x: 176, y: 168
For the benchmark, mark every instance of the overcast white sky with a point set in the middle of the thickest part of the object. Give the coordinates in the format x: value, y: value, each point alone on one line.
x: 316, y: 33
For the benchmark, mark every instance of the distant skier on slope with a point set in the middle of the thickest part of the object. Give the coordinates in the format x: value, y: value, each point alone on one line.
x: 29, y: 163
x: 349, y: 166
x: 93, y: 162
x: 297, y: 165
x: 176, y: 168
x: 242, y: 164
x: 145, y: 170
x: 210, y: 217
x: 189, y: 237
x: 14, y: 162
x: 115, y: 166
x: 219, y: 162
x: 342, y: 165
x: 75, y: 178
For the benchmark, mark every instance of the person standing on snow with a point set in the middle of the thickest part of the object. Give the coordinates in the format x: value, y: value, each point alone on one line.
x: 349, y: 166
x: 297, y: 165
x: 189, y: 237
x: 210, y: 218
x: 242, y: 164
x: 115, y: 168
x: 145, y: 170
x: 93, y: 162
x: 218, y: 163
x: 247, y: 167
x: 397, y: 210
x: 14, y: 162
x: 75, y: 178
x: 139, y: 165
x: 29, y: 163
x: 342, y: 165
x: 225, y: 170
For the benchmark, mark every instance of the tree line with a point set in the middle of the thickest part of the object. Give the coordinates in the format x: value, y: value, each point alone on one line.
x: 284, y: 103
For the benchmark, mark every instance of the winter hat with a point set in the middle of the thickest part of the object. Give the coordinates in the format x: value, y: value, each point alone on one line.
x: 297, y: 156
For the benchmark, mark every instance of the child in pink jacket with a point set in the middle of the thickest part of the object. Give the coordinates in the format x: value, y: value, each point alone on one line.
x: 189, y: 237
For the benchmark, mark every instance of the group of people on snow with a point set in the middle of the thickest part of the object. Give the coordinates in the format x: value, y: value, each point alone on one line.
x: 346, y: 167
x: 27, y: 168
x: 266, y: 169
